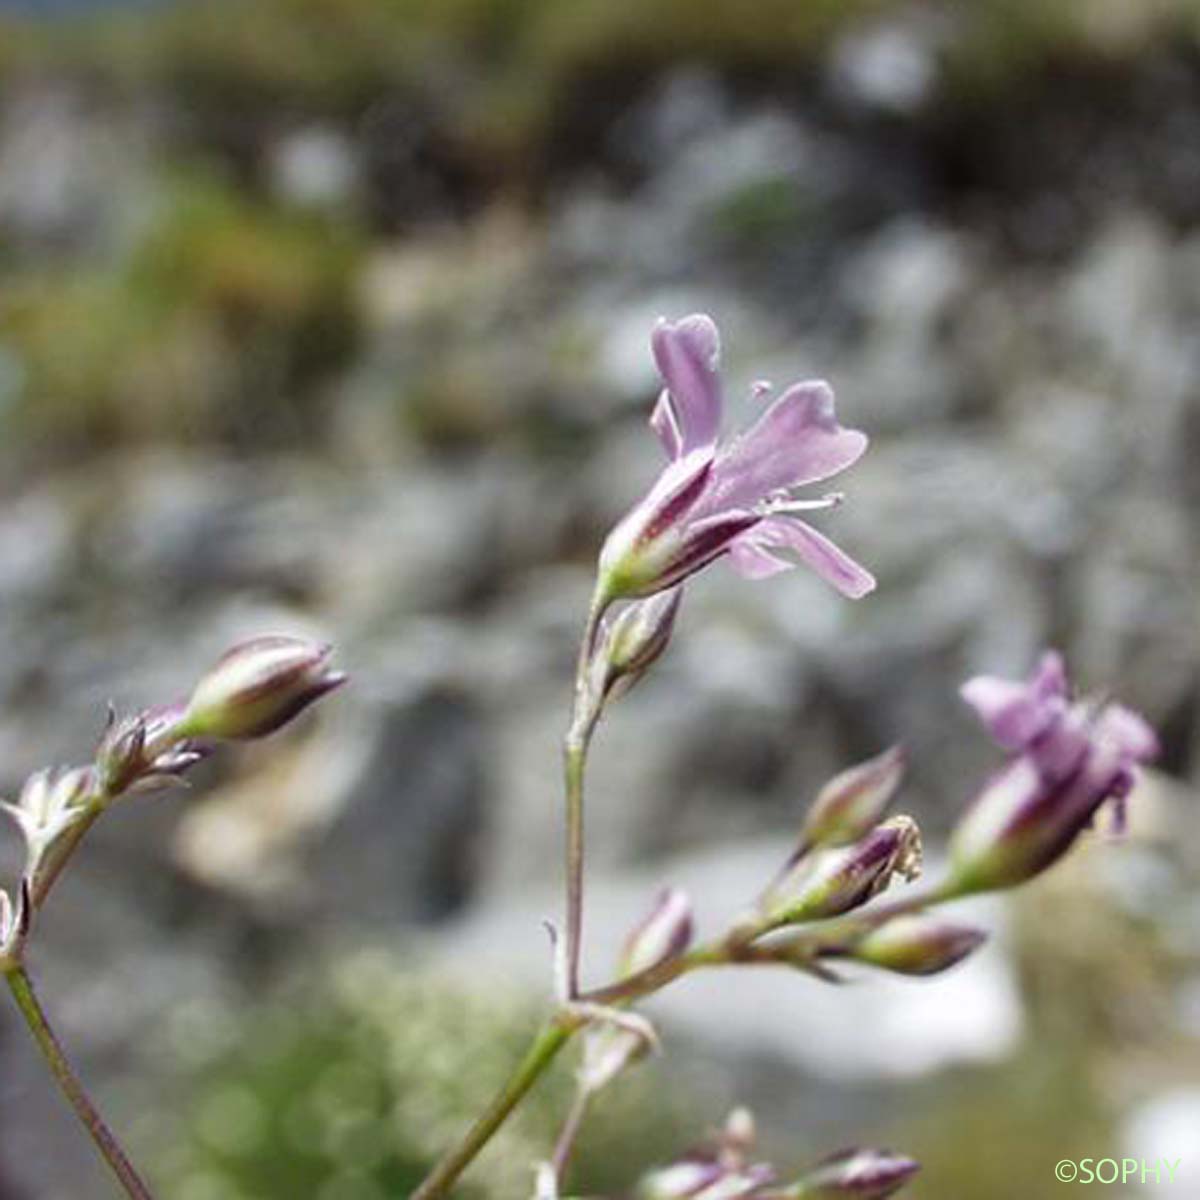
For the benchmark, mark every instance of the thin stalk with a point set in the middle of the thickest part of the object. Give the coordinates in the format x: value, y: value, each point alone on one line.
x: 541, y: 1054
x: 575, y: 761
x: 653, y: 979
x: 565, y: 1145
x: 855, y: 924
x: 35, y: 1017
x: 585, y: 714
x: 739, y: 948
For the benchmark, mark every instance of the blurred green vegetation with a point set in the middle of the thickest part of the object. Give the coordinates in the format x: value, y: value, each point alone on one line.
x: 351, y: 1085
x: 1097, y: 982
x: 996, y: 1134
x: 500, y: 77
x: 220, y: 319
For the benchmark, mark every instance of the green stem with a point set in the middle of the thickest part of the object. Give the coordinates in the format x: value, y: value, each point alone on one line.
x: 575, y: 760
x: 541, y: 1054
x: 585, y: 714
x: 654, y: 979
x: 22, y: 989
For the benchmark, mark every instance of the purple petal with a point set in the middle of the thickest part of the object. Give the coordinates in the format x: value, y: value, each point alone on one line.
x: 751, y: 561
x: 1049, y: 677
x: 796, y: 441
x: 1061, y: 748
x: 774, y: 534
x: 1130, y: 732
x: 663, y: 422
x: 686, y: 353
x: 674, y: 493
x: 1013, y: 713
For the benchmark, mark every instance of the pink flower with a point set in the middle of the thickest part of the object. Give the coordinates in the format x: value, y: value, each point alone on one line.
x: 1070, y: 759
x: 735, y: 498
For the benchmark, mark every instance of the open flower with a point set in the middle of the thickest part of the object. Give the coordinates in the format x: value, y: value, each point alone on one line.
x: 737, y: 498
x: 1071, y: 758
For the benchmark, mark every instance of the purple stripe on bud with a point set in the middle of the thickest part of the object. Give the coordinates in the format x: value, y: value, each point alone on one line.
x: 852, y: 803
x: 829, y: 882
x: 631, y: 642
x: 259, y: 686
x: 918, y: 945
x: 664, y: 933
x: 863, y: 1174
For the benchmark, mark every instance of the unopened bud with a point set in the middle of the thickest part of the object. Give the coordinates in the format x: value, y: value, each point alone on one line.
x: 862, y: 1174
x: 826, y: 883
x: 704, y: 1179
x: 120, y: 757
x: 739, y: 1135
x: 852, y: 803
x: 259, y: 686
x: 680, y: 1181
x: 719, y: 1170
x: 636, y: 637
x: 664, y: 933
x: 918, y: 945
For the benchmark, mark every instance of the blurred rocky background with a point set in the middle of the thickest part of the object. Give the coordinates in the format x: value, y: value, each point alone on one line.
x: 332, y: 316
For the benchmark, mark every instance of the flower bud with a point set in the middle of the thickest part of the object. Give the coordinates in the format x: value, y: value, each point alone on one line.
x: 700, y: 1178
x: 680, y: 1181
x: 633, y: 640
x: 826, y: 883
x: 718, y: 1170
x: 862, y: 1174
x: 739, y: 1135
x: 664, y: 933
x: 259, y: 686
x: 851, y: 804
x: 120, y: 757
x: 918, y: 945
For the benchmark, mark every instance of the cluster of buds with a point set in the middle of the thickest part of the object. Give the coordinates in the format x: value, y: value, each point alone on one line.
x: 720, y: 1167
x: 723, y: 1169
x: 1069, y: 758
x: 828, y: 882
x: 847, y: 854
x: 256, y: 687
